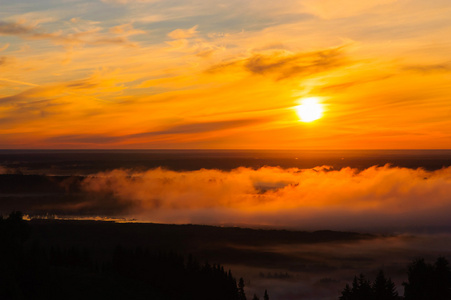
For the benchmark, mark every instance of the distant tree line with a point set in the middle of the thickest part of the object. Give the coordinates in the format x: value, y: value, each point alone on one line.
x: 35, y: 271
x: 362, y: 289
x: 424, y: 282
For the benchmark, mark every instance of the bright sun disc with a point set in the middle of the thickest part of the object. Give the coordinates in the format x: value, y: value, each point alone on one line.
x: 310, y: 109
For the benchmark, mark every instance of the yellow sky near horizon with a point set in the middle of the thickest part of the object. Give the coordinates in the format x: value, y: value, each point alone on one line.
x: 137, y: 74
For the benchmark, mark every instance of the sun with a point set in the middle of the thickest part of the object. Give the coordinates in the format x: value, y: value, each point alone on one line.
x: 310, y: 109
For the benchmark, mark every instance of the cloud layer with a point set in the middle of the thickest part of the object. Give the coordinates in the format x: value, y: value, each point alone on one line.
x: 148, y: 74
x: 375, y: 198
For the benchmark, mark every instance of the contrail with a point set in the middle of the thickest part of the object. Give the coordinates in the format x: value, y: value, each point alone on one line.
x: 67, y: 92
x: 4, y: 47
x: 19, y: 82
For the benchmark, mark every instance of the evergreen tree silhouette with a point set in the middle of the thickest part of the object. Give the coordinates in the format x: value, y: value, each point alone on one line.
x: 426, y: 281
x: 266, y: 297
x: 241, y: 293
x: 255, y: 297
x: 442, y: 279
x: 346, y: 294
x: 419, y: 285
x: 31, y: 270
x: 383, y: 288
x: 362, y: 289
x: 16, y: 228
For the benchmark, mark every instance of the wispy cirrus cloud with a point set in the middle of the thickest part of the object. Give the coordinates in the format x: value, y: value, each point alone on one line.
x: 129, y: 1
x: 126, y: 29
x: 284, y: 65
x: 11, y: 28
x: 174, y: 132
x: 183, y: 33
x: 91, y: 36
x: 430, y: 68
x: 206, y: 61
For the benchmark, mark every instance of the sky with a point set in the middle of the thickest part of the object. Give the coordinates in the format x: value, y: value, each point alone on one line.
x: 151, y: 74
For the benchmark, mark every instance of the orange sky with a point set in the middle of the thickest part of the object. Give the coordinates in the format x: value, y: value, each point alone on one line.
x: 225, y: 74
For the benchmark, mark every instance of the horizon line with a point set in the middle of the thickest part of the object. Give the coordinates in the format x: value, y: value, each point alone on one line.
x: 222, y: 149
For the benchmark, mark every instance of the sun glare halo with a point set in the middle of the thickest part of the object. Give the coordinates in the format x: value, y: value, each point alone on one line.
x: 310, y: 109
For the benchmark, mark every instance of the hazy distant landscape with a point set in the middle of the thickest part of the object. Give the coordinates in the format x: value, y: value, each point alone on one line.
x: 70, y: 196
x: 371, y: 191
x: 288, y: 264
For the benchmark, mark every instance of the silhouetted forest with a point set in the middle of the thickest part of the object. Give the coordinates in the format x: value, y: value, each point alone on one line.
x: 55, y: 259
x: 424, y: 282
x: 31, y: 270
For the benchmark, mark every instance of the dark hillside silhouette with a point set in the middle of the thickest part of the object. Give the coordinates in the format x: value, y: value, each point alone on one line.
x: 35, y: 270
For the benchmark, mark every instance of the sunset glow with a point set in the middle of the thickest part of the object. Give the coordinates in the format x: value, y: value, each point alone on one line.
x: 208, y: 74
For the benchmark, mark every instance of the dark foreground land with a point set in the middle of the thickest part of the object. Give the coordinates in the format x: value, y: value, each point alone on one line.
x: 218, y: 244
x: 62, y: 259
x: 67, y: 259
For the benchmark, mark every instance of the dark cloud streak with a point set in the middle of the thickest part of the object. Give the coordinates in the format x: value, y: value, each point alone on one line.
x: 188, y: 128
x: 10, y: 28
x: 202, y: 127
x: 433, y: 68
x: 281, y: 65
x: 350, y: 84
